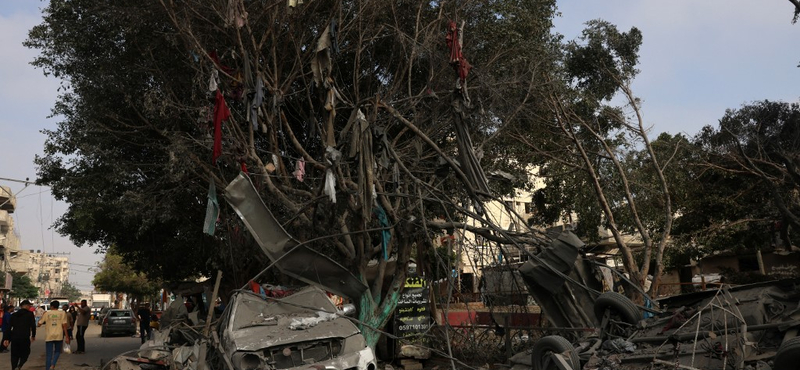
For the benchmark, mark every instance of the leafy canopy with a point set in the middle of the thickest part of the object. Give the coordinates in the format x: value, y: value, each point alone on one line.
x: 117, y: 276
x: 22, y: 287
x: 70, y: 291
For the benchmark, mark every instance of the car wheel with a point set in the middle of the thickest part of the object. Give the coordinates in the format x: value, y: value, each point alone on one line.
x: 544, y: 348
x: 619, y: 305
x: 103, y: 334
x: 788, y: 355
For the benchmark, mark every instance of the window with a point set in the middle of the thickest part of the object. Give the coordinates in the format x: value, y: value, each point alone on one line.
x: 748, y: 263
x: 58, y: 280
x: 528, y: 207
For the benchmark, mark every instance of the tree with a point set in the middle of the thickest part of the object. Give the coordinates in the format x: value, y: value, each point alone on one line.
x: 22, y: 287
x: 115, y: 275
x: 70, y: 291
x: 366, y: 96
x: 595, y: 148
x: 748, y: 176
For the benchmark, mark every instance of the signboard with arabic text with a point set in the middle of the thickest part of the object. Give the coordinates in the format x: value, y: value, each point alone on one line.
x: 412, y: 315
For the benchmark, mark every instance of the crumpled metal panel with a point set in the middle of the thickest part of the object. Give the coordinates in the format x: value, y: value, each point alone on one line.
x: 564, y: 305
x: 560, y: 256
x: 301, y: 262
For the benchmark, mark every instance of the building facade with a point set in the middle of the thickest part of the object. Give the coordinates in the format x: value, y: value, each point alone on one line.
x: 9, y: 240
x: 47, y: 271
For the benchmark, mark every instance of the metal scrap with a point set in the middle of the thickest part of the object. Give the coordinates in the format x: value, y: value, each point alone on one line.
x: 290, y: 255
x: 739, y: 327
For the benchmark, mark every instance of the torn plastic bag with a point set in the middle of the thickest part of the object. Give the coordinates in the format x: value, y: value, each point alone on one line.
x: 212, y: 210
x: 300, y: 170
x: 213, y: 81
x: 330, y: 185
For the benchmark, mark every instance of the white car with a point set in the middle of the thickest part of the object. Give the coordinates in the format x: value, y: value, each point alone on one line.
x: 304, y: 330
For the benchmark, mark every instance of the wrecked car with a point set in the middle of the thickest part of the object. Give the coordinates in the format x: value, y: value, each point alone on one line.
x: 302, y: 331
x: 746, y: 327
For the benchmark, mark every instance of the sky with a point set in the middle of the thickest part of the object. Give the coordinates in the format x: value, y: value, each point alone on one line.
x: 26, y: 97
x: 698, y: 59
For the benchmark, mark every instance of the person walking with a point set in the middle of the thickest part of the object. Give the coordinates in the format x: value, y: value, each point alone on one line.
x: 7, y: 310
x: 22, y: 331
x: 84, y: 314
x: 55, y: 325
x: 70, y: 320
x: 39, y: 312
x: 74, y: 314
x: 144, y: 322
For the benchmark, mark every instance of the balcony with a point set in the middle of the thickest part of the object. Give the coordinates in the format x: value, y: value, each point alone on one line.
x: 7, y: 199
x: 5, y: 221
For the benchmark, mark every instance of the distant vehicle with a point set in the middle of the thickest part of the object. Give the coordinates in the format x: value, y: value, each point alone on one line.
x: 61, y: 300
x: 118, y: 321
x: 100, y: 314
x: 100, y: 300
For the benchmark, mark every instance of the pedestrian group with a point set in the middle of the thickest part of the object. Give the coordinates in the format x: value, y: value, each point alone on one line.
x: 19, y: 330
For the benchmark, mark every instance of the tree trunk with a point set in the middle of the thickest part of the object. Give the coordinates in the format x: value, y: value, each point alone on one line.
x: 374, y: 316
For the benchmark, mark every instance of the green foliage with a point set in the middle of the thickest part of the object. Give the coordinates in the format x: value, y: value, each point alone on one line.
x: 595, y: 68
x: 603, y: 59
x: 70, y: 291
x: 131, y: 155
x: 744, y: 188
x: 22, y: 287
x: 117, y: 276
x: 126, y: 160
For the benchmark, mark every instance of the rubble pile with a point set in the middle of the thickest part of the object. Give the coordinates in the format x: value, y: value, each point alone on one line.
x: 745, y: 327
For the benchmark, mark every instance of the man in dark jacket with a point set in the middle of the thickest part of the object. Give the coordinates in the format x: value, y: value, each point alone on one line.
x: 21, y: 333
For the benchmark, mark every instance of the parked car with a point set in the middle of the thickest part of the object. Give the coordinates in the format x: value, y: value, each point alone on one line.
x: 302, y: 331
x: 118, y: 321
x: 98, y: 313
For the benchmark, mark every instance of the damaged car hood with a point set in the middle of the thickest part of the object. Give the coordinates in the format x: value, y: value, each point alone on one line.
x: 255, y: 323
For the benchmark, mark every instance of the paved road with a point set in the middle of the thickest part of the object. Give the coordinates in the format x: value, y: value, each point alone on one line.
x: 97, y: 348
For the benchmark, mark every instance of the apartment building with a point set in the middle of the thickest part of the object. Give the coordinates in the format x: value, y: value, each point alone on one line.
x: 9, y: 240
x: 47, y: 271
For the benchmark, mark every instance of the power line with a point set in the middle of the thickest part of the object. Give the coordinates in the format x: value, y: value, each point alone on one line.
x: 80, y: 264
x: 83, y: 272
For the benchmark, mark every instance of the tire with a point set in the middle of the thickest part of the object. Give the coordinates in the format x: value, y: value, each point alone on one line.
x: 103, y: 334
x: 553, y: 344
x: 619, y: 304
x: 788, y: 355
